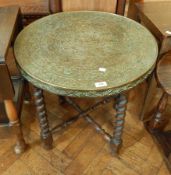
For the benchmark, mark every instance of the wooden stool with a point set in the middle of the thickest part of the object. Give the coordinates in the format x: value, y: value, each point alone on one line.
x: 163, y: 74
x: 158, y: 123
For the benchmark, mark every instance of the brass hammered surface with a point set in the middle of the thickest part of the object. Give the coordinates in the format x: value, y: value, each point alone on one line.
x: 71, y: 53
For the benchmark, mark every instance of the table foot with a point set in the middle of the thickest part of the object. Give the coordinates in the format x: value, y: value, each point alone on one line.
x: 20, y: 145
x: 47, y: 143
x: 115, y: 147
x: 120, y: 107
x: 14, y: 124
x: 46, y: 135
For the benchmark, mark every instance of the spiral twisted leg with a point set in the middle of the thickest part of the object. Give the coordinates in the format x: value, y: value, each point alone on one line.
x: 46, y: 135
x: 120, y: 107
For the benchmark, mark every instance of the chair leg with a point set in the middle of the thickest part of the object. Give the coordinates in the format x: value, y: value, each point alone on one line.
x: 46, y: 135
x: 15, y: 124
x: 27, y: 95
x: 120, y: 107
x: 149, y: 94
x: 61, y: 100
x: 158, y: 122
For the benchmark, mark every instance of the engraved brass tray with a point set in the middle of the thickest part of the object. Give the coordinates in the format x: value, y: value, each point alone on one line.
x: 85, y: 53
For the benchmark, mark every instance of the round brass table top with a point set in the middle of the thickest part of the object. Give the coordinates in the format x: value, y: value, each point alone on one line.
x: 85, y: 53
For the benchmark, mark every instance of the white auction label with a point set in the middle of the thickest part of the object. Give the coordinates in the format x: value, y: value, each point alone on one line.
x: 102, y: 69
x: 101, y: 84
x: 168, y: 32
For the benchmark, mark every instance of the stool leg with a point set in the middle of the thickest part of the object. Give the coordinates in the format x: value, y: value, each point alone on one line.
x: 158, y: 122
x: 46, y: 135
x: 15, y: 124
x: 120, y: 107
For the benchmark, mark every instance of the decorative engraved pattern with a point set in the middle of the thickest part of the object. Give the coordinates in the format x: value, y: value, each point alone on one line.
x: 64, y: 52
x: 77, y: 93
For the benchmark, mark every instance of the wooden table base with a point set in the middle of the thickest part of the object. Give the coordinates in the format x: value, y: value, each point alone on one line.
x: 84, y: 114
x: 115, y: 140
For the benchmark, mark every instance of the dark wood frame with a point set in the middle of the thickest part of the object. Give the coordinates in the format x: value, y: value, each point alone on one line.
x: 11, y: 87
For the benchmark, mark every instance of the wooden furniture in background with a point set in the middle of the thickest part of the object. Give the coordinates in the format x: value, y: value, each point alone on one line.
x: 35, y: 9
x: 112, y: 6
x: 9, y: 76
x: 158, y: 122
x: 151, y: 15
x: 30, y: 9
x: 156, y: 17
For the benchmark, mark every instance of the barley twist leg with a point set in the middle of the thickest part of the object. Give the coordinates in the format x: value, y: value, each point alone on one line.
x: 120, y: 107
x: 46, y: 135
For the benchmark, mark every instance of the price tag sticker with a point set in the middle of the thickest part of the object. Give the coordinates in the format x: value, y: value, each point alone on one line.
x: 168, y: 32
x: 102, y: 69
x: 101, y: 84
